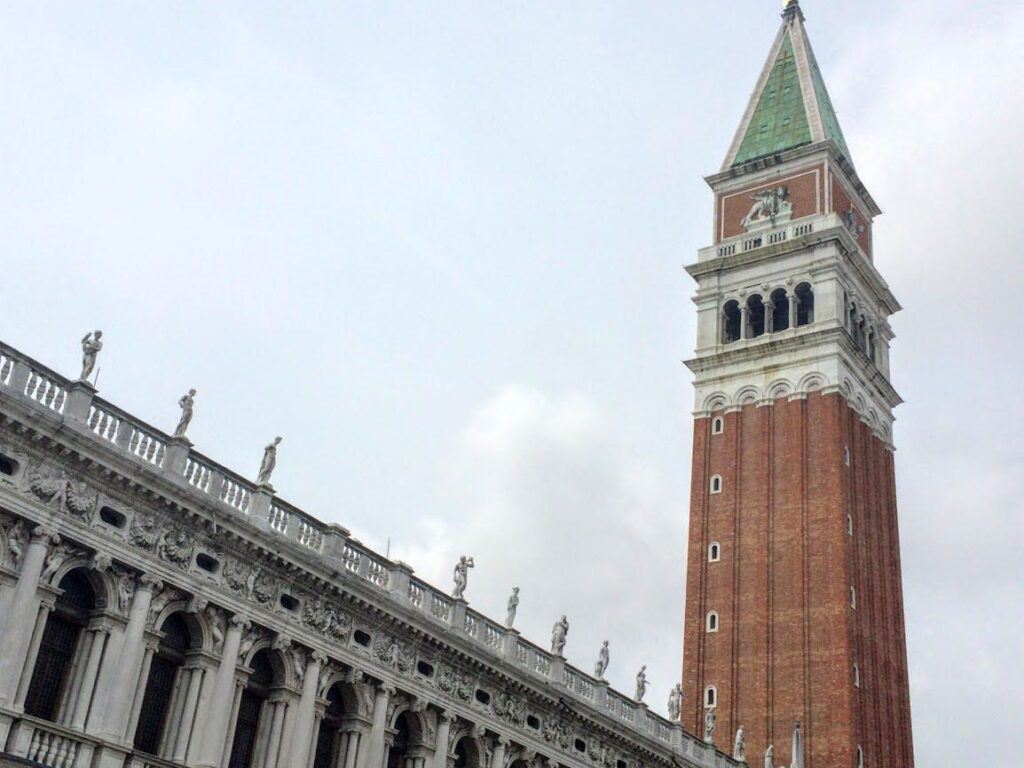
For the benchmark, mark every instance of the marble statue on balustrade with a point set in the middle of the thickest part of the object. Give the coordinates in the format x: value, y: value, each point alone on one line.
x: 268, y: 463
x: 709, y: 726
x: 641, y: 685
x: 186, y: 404
x: 601, y: 666
x: 769, y: 757
x: 513, y: 606
x: 675, y: 703
x: 558, y: 635
x: 91, y: 346
x: 739, y: 746
x: 461, y: 576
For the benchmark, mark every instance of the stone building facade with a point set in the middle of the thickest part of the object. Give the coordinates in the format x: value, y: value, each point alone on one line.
x: 794, y: 606
x: 160, y: 611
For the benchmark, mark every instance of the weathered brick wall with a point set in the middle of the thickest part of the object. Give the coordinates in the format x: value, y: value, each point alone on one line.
x: 789, y: 637
x: 806, y: 195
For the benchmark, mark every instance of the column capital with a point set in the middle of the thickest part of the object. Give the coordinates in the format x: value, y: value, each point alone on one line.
x: 239, y: 622
x: 386, y: 689
x: 149, y: 582
x: 502, y: 740
x: 318, y: 657
x: 44, y: 534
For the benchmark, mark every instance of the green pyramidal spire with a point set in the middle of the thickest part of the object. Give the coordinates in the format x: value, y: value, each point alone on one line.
x: 790, y: 106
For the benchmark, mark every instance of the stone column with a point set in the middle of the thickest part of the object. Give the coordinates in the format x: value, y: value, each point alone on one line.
x: 744, y: 318
x: 498, y: 755
x: 373, y: 754
x: 302, y: 735
x: 33, y: 650
x: 792, y: 310
x: 119, y: 676
x: 91, y: 670
x: 444, y: 727
x: 152, y: 644
x: 221, y: 703
x: 16, y: 634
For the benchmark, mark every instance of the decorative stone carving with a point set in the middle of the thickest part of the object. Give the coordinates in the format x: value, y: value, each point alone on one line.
x: 709, y: 726
x: 197, y: 604
x: 558, y: 636
x: 456, y: 683
x: 91, y: 346
x: 323, y: 618
x: 513, y: 606
x: 101, y: 562
x: 601, y: 666
x: 769, y: 206
x: 125, y: 591
x: 163, y: 596
x: 144, y: 532
x: 389, y: 651
x: 739, y: 746
x: 461, y: 576
x: 175, y: 547
x: 43, y: 484
x: 509, y: 708
x: 641, y: 685
x: 852, y: 222
x: 17, y: 540
x: 186, y: 403
x: 79, y: 499
x: 675, y: 703
x: 215, y: 620
x: 59, y: 555
x: 557, y: 732
x: 249, y: 639
x: 268, y: 463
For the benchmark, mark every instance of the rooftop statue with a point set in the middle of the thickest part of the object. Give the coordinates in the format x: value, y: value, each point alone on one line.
x: 602, y: 662
x: 769, y: 757
x: 558, y: 634
x: 739, y: 746
x: 461, y: 576
x: 641, y: 685
x: 675, y: 703
x: 91, y: 346
x: 268, y: 463
x: 185, y: 403
x: 709, y: 726
x: 513, y: 605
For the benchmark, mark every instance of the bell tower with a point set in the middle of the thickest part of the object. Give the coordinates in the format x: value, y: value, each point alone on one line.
x: 794, y: 605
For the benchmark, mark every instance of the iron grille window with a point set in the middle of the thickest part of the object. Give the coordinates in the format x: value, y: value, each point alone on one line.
x: 324, y: 747
x: 155, y: 701
x: 163, y: 672
x: 245, y: 730
x: 327, y: 740
x: 56, y: 652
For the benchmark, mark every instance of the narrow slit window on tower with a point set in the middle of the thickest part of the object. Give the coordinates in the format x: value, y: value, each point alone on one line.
x: 712, y: 621
x: 714, y: 552
x: 853, y: 597
x: 717, y: 425
x: 856, y: 676
x: 804, y: 304
x: 731, y: 322
x: 716, y: 483
x: 849, y: 525
x: 860, y: 757
x: 710, y: 697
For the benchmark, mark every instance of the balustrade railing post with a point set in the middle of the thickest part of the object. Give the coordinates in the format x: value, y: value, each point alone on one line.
x: 259, y: 506
x: 216, y: 489
x: 76, y: 411
x: 601, y: 694
x: 19, y: 378
x: 176, y: 457
x: 457, y: 615
x: 510, y: 645
x: 398, y: 581
x: 556, y: 671
x: 335, y: 537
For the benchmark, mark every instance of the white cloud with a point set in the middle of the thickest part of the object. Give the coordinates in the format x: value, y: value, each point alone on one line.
x: 544, y: 496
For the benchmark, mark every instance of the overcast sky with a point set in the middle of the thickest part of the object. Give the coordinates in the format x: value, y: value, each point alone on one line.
x: 438, y: 247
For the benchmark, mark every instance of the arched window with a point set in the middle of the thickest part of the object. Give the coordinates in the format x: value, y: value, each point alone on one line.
x: 714, y: 552
x: 710, y: 697
x: 731, y: 322
x: 712, y: 621
x: 780, y: 310
x: 755, y: 317
x: 161, y: 683
x: 804, y: 304
x: 59, y: 644
x: 860, y: 757
x: 404, y: 728
x: 467, y: 755
x: 717, y: 425
x: 871, y: 344
x: 250, y: 709
x: 329, y: 742
x: 716, y: 483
